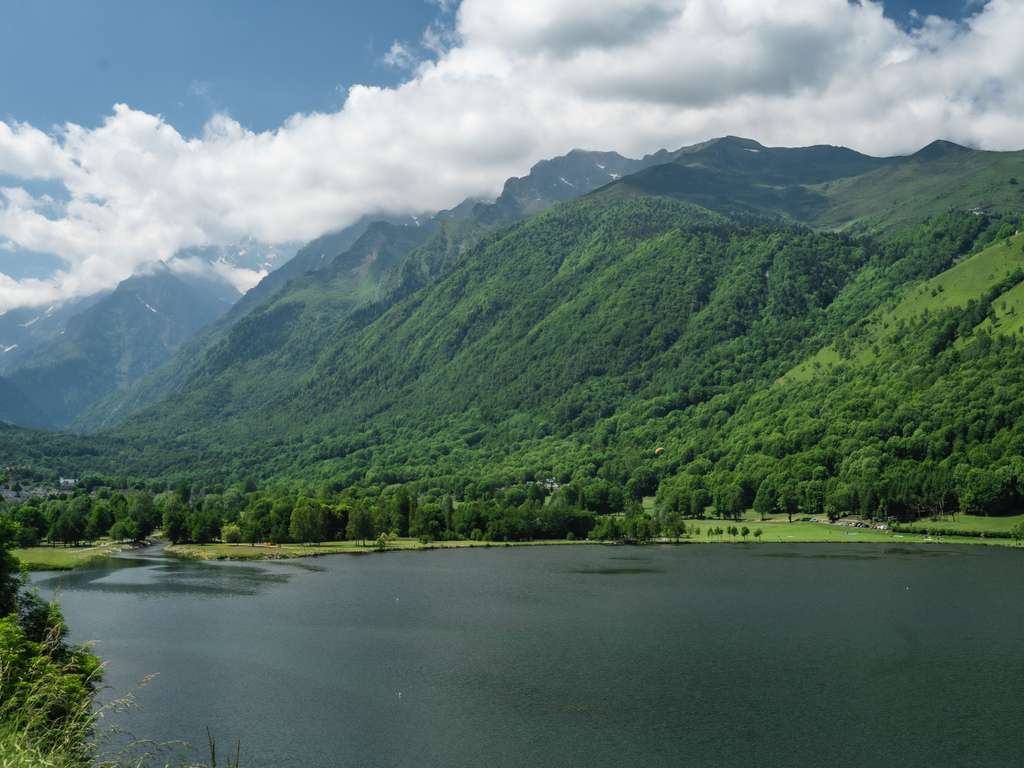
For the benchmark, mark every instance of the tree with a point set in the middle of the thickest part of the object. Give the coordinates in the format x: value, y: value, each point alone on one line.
x: 672, y: 525
x: 175, y: 519
x: 401, y: 511
x: 767, y: 498
x: 427, y: 522
x: 99, y: 521
x: 758, y: 533
x: 8, y: 566
x: 280, y: 521
x: 607, y: 529
x: 203, y: 525
x: 125, y: 529
x: 700, y: 500
x: 231, y: 533
x: 448, y: 511
x: 309, y: 522
x: 69, y: 527
x: 788, y: 501
x: 256, y: 521
x: 31, y: 523
x: 360, y: 524
x: 141, y: 510
x: 729, y: 501
x: 1018, y: 532
x: 978, y: 490
x: 812, y: 497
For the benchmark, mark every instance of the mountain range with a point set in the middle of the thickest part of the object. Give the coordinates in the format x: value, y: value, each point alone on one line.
x: 83, y: 351
x: 707, y: 301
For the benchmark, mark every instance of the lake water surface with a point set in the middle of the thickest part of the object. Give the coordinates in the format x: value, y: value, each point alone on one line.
x: 701, y: 655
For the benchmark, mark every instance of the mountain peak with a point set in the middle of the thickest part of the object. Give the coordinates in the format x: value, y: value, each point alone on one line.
x: 940, y: 148
x: 721, y: 143
x: 738, y: 141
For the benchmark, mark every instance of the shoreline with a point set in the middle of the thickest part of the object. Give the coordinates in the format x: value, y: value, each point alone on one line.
x: 61, y: 558
x: 245, y: 552
x: 48, y: 558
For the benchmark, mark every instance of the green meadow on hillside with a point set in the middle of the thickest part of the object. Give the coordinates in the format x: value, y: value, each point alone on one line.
x: 970, y: 280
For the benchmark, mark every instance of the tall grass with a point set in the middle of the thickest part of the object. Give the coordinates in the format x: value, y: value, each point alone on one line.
x: 48, y: 720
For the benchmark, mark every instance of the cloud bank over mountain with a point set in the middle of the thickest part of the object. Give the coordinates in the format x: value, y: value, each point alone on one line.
x: 504, y: 83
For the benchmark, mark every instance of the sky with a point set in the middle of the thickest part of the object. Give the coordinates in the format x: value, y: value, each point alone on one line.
x: 132, y: 129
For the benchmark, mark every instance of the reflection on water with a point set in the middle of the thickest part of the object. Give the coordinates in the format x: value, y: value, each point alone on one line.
x: 842, y: 552
x: 611, y: 571
x: 155, y: 576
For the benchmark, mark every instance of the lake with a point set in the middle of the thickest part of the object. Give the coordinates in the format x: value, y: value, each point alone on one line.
x: 693, y: 655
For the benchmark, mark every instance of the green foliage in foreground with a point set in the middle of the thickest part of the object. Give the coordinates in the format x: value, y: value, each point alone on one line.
x: 46, y: 686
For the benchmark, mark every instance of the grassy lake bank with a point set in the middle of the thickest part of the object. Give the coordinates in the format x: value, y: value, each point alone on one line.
x: 222, y: 551
x: 982, y: 531
x: 61, y: 558
x: 774, y: 530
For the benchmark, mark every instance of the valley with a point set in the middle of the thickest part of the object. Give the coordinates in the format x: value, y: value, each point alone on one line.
x: 519, y: 383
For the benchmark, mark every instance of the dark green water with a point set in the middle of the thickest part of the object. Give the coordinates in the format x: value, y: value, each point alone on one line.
x: 743, y: 655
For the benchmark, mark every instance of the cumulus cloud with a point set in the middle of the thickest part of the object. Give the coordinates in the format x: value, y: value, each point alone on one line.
x: 506, y: 83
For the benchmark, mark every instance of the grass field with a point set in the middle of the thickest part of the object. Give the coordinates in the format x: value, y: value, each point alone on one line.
x: 64, y: 558
x: 955, y: 287
x: 973, y: 523
x: 777, y: 529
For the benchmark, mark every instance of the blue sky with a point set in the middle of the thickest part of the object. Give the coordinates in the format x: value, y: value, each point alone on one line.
x: 259, y: 61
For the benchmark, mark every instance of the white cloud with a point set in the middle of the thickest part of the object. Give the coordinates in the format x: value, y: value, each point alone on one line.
x: 241, y: 278
x: 510, y: 82
x: 399, y: 56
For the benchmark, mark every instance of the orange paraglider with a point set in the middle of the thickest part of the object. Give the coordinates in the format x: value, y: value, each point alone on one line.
x: 658, y: 451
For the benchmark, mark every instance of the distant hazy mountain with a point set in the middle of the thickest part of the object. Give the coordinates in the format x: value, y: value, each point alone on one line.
x: 25, y: 329
x: 16, y: 408
x: 117, y: 339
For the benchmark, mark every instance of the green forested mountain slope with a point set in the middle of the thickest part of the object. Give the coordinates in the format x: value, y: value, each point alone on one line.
x: 333, y: 275
x: 117, y: 340
x: 560, y: 343
x: 915, y: 411
x: 295, y: 314
x: 768, y: 360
